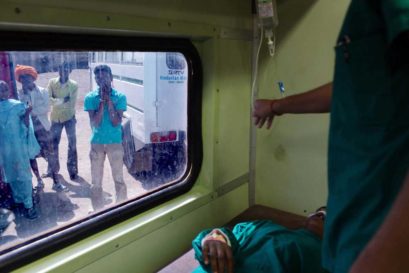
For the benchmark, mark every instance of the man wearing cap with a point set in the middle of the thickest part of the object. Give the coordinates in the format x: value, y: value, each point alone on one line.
x: 105, y: 107
x: 63, y: 95
x: 37, y: 98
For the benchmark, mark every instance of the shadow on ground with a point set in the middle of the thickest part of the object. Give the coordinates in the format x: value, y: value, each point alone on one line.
x: 52, y: 207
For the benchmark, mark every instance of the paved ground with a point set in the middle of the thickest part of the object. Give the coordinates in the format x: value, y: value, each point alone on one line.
x: 58, y: 209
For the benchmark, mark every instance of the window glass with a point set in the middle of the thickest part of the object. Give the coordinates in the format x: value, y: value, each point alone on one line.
x: 84, y: 132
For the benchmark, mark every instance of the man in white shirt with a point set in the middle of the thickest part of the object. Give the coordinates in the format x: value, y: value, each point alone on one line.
x: 37, y: 97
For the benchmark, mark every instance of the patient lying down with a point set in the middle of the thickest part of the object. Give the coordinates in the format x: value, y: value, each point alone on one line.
x: 262, y: 246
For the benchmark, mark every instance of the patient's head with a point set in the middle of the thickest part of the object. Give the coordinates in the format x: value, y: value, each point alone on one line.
x: 315, y: 221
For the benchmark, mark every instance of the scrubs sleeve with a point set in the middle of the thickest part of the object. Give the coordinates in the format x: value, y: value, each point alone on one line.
x: 396, y: 15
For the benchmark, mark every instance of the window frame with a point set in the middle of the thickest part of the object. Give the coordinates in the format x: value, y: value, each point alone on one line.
x: 62, y: 237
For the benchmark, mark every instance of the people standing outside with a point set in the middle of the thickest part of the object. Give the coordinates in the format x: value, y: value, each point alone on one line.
x: 18, y: 146
x: 105, y: 107
x: 37, y: 98
x: 63, y: 93
x: 368, y: 158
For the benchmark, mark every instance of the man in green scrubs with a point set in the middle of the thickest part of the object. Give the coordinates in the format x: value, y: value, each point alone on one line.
x: 369, y: 139
x: 262, y: 246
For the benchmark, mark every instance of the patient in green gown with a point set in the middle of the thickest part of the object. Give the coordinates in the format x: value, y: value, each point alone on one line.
x: 262, y: 246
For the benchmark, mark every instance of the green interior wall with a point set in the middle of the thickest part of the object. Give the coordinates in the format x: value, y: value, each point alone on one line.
x: 221, y: 31
x: 158, y: 248
x: 292, y: 156
x: 232, y: 105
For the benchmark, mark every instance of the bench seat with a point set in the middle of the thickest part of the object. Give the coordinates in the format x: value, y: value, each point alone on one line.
x: 187, y: 263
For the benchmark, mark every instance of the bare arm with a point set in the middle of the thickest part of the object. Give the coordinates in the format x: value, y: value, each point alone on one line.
x: 52, y: 99
x: 317, y: 100
x: 26, y: 116
x: 95, y: 117
x: 114, y: 115
x: 217, y: 253
x: 387, y: 252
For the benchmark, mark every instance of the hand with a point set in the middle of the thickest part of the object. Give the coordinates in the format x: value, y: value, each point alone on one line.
x: 264, y: 111
x: 29, y: 108
x: 66, y: 99
x: 103, y: 99
x: 105, y: 94
x: 105, y: 87
x: 220, y: 254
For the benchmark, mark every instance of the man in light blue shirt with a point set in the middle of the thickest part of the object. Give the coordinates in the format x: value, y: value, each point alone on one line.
x: 105, y: 107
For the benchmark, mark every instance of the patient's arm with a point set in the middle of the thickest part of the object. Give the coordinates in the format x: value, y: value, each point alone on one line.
x: 215, y: 249
x: 218, y: 253
x: 388, y: 251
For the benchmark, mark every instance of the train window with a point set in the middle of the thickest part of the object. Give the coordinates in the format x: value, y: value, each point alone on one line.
x: 89, y: 133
